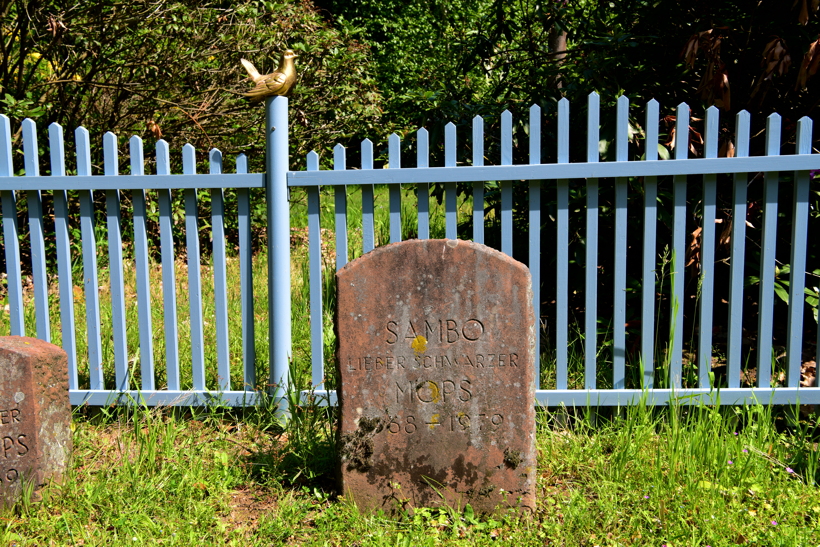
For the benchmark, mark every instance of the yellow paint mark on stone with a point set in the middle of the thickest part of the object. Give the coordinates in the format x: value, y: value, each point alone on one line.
x: 435, y: 395
x: 434, y: 421
x: 419, y: 344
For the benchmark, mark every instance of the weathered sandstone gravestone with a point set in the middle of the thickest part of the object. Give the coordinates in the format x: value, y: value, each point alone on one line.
x: 35, y: 415
x: 436, y: 370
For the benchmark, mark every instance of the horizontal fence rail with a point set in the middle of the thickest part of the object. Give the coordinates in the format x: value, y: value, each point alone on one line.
x: 625, y: 363
x: 137, y: 182
x: 694, y: 166
x: 123, y: 336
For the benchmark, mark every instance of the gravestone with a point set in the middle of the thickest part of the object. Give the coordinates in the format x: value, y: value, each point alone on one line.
x: 35, y: 415
x: 436, y: 378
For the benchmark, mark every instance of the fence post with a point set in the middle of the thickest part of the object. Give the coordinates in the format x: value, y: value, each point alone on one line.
x: 278, y: 220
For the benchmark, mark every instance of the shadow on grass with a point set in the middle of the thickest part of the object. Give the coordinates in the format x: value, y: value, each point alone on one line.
x: 302, y: 451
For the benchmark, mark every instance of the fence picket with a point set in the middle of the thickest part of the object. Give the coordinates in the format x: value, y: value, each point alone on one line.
x: 535, y: 133
x: 678, y: 249
x: 450, y: 189
x: 169, y: 295
x: 478, y: 186
x: 738, y: 253
x: 506, y: 185
x: 315, y: 276
x: 768, y: 243
x: 707, y: 257
x: 423, y: 188
x: 11, y: 238
x: 534, y: 220
x: 591, y: 300
x: 368, y: 225
x: 36, y: 233
x: 562, y: 253
x: 246, y: 278
x: 194, y: 273
x: 142, y: 267
x: 340, y: 196
x: 619, y: 275
x: 112, y: 207
x: 277, y: 197
x: 223, y: 356
x: 800, y: 217
x: 394, y: 191
x: 91, y: 284
x: 649, y: 262
x: 66, y: 286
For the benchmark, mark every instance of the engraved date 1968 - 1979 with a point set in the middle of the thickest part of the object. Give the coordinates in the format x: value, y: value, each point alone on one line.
x: 459, y: 422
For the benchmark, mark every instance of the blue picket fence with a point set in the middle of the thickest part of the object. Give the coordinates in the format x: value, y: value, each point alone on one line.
x: 82, y: 187
x: 659, y: 382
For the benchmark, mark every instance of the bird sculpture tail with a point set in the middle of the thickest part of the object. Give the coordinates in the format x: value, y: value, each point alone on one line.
x: 252, y: 72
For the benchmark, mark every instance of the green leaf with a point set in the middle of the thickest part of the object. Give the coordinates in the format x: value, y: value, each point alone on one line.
x: 781, y: 291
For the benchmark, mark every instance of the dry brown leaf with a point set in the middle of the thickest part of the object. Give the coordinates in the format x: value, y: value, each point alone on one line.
x: 727, y: 149
x: 725, y: 235
x: 694, y: 137
x: 690, y: 50
x: 725, y: 99
x: 154, y: 128
x: 714, y: 83
x: 803, y: 18
x: 671, y: 142
x: 693, y: 251
x: 810, y: 64
x: 776, y: 58
x: 701, y: 40
x: 808, y: 373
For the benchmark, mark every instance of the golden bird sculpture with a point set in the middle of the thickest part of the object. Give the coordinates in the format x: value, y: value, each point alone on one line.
x: 280, y: 82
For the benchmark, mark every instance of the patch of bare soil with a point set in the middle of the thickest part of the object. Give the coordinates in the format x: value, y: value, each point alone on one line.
x: 248, y: 505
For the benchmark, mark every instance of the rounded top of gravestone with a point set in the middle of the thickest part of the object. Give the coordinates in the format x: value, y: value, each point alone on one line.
x: 449, y: 271
x: 451, y: 249
x: 25, y: 343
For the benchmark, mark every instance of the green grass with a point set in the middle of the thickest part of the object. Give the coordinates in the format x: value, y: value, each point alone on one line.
x: 676, y: 476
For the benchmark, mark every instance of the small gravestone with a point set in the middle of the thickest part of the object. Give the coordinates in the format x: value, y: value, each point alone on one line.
x: 35, y: 415
x: 436, y: 378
